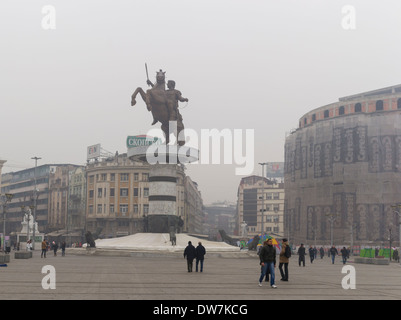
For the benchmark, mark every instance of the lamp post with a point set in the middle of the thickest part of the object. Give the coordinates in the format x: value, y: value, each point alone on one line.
x: 4, y: 200
x: 263, y: 194
x: 35, y: 197
x: 332, y: 218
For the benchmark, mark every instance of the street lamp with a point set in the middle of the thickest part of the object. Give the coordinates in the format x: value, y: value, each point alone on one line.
x: 332, y: 218
x: 4, y: 200
x: 35, y: 197
x: 263, y: 194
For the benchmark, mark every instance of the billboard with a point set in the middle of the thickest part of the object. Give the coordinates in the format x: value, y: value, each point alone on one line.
x: 93, y: 151
x: 275, y: 170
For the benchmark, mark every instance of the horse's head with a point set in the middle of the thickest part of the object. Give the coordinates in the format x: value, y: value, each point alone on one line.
x: 160, y: 76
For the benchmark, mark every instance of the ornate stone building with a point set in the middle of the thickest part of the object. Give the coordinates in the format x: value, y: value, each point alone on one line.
x: 343, y: 170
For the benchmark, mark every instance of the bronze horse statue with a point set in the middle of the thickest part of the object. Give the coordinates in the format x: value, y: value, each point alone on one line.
x: 156, y: 101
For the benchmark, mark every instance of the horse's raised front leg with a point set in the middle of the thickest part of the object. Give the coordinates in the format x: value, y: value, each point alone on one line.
x: 141, y: 92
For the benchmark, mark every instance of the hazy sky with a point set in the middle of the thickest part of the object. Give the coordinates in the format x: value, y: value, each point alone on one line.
x: 249, y: 64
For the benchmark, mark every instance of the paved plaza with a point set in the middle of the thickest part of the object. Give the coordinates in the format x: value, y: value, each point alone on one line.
x: 165, y: 277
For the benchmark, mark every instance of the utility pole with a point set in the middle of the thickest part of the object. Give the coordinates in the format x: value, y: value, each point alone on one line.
x: 35, y: 191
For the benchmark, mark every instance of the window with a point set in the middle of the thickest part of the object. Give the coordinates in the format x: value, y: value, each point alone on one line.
x: 305, y: 121
x: 90, y: 194
x: 145, y: 176
x: 269, y: 196
x: 136, y: 208
x: 326, y: 113
x: 124, y: 192
x: 99, y: 208
x: 123, y: 209
x: 111, y: 208
x: 112, y: 176
x: 124, y: 176
x: 136, y: 176
x: 146, y: 192
x: 135, y: 192
x: 90, y: 209
x: 91, y: 179
x: 276, y: 196
x: 111, y: 192
x: 358, y: 107
x: 99, y: 192
x: 145, y: 208
x: 103, y: 177
x: 314, y: 117
x: 341, y: 110
x: 399, y: 103
x: 379, y: 105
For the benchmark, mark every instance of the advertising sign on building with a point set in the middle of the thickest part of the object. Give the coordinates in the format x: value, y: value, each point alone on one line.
x: 141, y: 141
x: 93, y: 151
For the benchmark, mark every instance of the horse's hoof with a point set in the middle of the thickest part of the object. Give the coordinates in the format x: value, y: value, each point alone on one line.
x: 133, y: 102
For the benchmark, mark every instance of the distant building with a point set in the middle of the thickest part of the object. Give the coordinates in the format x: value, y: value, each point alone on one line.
x: 220, y: 216
x: 193, y: 207
x: 1, y: 166
x: 261, y: 206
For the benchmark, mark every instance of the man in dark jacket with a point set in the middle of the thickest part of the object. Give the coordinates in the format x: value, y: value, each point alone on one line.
x: 200, y: 256
x: 267, y: 258
x: 333, y: 252
x: 301, y: 254
x: 190, y: 254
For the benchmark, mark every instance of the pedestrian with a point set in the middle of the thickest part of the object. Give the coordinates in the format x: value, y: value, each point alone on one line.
x: 285, y: 255
x: 396, y: 256
x: 29, y: 245
x: 301, y: 254
x: 321, y: 252
x: 190, y: 254
x: 344, y: 254
x: 44, y: 249
x: 55, y: 247
x: 63, y: 248
x: 267, y: 259
x: 311, y: 254
x: 333, y: 252
x: 200, y: 256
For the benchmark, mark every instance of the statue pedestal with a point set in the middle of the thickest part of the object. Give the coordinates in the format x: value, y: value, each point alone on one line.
x: 163, y: 161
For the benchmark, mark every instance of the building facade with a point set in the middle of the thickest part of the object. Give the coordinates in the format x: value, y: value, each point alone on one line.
x: 343, y: 170
x: 22, y: 185
x: 261, y: 206
x: 118, y: 197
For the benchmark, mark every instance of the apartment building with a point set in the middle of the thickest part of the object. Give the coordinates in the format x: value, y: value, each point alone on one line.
x: 261, y: 206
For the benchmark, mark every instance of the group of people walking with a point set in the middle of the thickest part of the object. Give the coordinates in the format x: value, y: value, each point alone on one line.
x: 191, y: 253
x: 332, y: 253
x: 267, y: 256
x: 54, y: 246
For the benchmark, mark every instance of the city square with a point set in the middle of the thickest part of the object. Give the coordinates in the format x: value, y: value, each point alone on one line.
x: 228, y: 276
x: 290, y: 147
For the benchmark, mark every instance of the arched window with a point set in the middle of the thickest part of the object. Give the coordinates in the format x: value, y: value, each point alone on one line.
x: 341, y: 110
x: 326, y: 113
x: 379, y: 105
x: 358, y: 107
